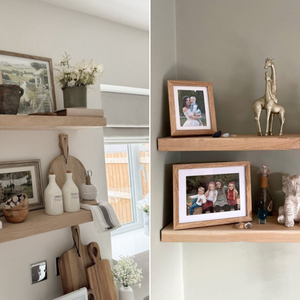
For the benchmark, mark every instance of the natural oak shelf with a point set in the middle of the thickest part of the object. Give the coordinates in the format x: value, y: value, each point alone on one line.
x: 21, y: 122
x: 270, y: 232
x: 38, y: 222
x: 241, y: 142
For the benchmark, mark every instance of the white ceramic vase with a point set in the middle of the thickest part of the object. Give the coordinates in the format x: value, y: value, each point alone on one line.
x: 126, y: 293
x: 146, y: 224
x: 70, y: 194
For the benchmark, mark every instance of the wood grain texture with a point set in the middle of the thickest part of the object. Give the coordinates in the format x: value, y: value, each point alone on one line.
x: 72, y: 264
x: 196, y: 224
x: 38, y: 222
x: 21, y: 122
x: 60, y: 165
x: 100, y: 278
x: 212, y: 112
x: 239, y: 143
x: 272, y: 232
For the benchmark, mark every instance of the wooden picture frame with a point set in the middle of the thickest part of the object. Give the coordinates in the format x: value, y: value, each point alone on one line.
x: 35, y: 75
x: 182, y: 123
x: 21, y: 177
x: 204, y: 178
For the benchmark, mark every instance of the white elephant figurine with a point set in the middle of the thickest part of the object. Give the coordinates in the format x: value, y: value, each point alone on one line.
x: 289, y: 213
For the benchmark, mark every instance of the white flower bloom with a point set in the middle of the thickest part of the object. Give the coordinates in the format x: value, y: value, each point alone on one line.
x: 144, y: 204
x: 126, y: 272
x: 81, y: 74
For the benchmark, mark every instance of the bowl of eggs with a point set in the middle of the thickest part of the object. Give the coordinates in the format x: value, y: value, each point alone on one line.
x: 15, y: 209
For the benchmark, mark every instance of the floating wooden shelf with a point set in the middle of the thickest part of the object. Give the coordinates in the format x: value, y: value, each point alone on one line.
x: 239, y: 143
x: 270, y: 232
x: 38, y: 222
x: 21, y: 122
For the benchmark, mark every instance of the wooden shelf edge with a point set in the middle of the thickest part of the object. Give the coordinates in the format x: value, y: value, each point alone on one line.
x: 38, y: 222
x: 20, y: 122
x: 242, y: 142
x: 272, y: 232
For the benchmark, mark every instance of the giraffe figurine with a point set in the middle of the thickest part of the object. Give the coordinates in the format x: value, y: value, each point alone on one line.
x: 272, y: 108
x: 259, y: 104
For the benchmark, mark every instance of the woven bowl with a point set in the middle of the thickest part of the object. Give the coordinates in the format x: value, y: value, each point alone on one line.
x: 19, y: 212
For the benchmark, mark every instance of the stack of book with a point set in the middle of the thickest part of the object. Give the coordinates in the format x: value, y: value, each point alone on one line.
x: 80, y: 112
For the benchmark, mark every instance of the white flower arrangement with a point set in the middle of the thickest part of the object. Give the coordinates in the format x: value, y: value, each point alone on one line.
x: 81, y: 74
x: 144, y: 204
x: 126, y: 273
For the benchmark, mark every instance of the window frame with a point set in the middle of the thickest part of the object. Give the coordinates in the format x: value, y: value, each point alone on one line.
x: 136, y: 189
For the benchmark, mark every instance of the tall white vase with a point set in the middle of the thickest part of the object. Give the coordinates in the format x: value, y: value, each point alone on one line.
x: 146, y: 224
x: 126, y: 293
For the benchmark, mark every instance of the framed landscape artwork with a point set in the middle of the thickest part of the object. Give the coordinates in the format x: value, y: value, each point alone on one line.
x: 192, y: 108
x: 211, y: 194
x: 35, y: 75
x: 21, y: 177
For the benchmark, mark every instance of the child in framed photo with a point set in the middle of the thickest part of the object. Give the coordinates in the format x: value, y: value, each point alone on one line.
x: 211, y: 194
x: 192, y: 110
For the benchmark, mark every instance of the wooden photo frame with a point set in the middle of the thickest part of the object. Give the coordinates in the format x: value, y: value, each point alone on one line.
x: 183, y: 113
x: 21, y: 177
x: 210, y: 194
x: 34, y: 74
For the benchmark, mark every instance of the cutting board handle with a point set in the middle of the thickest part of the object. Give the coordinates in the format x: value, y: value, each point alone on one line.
x: 64, y: 146
x: 94, y: 252
x: 91, y: 294
x: 76, y: 238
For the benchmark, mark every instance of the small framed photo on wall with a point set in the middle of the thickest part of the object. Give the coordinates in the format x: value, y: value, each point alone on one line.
x: 18, y: 177
x: 192, y: 108
x: 211, y: 194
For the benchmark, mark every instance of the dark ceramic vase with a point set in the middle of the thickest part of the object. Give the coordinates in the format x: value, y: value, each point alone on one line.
x: 75, y: 96
x: 10, y: 99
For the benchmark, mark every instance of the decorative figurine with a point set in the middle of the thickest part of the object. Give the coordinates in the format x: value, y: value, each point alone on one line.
x: 269, y: 102
x: 290, y: 211
x: 264, y: 199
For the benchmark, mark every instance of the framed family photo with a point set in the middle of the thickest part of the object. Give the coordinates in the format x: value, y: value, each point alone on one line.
x: 21, y: 177
x: 211, y: 194
x: 34, y: 75
x: 192, y: 108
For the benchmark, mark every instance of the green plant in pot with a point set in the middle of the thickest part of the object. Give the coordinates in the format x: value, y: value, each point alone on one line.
x: 74, y: 80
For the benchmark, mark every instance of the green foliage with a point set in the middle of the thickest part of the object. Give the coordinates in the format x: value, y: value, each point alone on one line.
x: 38, y: 66
x: 6, y: 77
x: 194, y: 182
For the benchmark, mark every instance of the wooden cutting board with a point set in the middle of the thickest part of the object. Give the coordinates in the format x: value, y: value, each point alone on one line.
x: 73, y: 263
x: 66, y: 162
x: 100, y: 278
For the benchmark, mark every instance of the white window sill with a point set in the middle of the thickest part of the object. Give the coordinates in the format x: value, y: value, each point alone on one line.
x: 129, y: 243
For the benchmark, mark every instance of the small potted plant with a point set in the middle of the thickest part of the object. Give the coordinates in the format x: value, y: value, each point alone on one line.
x: 74, y: 80
x: 144, y: 205
x: 127, y: 274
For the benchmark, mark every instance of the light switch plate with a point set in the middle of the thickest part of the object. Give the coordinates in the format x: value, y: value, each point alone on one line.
x: 38, y: 272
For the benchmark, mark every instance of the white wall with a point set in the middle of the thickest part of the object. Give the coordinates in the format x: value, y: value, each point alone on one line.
x: 166, y: 259
x: 37, y: 28
x: 227, y: 42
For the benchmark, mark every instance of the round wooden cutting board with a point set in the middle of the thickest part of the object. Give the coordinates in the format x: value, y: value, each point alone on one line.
x: 64, y: 163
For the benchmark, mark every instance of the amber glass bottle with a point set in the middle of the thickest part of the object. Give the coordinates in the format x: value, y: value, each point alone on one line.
x: 264, y: 199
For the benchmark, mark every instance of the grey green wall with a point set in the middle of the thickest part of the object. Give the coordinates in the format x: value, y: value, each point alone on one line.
x: 166, y: 260
x: 227, y: 42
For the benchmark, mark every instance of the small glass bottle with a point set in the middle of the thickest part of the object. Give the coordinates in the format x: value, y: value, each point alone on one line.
x: 264, y: 199
x: 53, y: 198
x: 70, y: 194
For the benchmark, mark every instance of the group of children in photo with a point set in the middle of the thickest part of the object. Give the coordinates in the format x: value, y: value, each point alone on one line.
x: 218, y: 197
